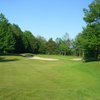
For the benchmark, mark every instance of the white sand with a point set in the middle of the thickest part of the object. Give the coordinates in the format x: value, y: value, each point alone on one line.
x: 77, y: 59
x: 41, y: 58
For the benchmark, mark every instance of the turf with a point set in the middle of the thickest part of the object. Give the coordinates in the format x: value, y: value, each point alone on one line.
x: 27, y: 79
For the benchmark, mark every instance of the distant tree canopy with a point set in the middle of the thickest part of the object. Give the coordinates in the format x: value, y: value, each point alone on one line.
x: 14, y: 40
x: 64, y: 45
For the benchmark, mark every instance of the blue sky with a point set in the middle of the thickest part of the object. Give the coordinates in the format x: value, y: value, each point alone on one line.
x: 48, y: 18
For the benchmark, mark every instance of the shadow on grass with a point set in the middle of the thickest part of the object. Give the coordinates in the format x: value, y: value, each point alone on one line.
x: 7, y: 60
x: 91, y: 60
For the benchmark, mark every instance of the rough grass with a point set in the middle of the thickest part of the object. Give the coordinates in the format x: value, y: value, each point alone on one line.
x: 27, y: 79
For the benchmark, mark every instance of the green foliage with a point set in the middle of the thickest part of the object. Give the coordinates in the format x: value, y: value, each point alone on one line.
x: 51, y: 46
x: 92, y: 31
x: 64, y: 45
x: 30, y: 42
x: 93, y: 14
x: 42, y: 45
x: 78, y: 44
x: 89, y: 40
x: 18, y: 35
x: 7, y: 41
x: 13, y: 39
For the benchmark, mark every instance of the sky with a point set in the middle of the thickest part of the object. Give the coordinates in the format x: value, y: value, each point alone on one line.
x: 47, y: 18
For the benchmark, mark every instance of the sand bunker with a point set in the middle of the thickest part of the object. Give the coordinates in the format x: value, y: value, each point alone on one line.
x: 77, y: 59
x: 41, y: 58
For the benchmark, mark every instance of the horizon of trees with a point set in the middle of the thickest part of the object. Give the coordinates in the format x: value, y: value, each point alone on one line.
x: 14, y: 40
x: 86, y: 43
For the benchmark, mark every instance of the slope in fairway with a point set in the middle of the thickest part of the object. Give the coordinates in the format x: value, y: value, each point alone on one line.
x: 29, y: 79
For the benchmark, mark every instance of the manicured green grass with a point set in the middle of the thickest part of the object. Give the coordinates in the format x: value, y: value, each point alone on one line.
x: 27, y: 79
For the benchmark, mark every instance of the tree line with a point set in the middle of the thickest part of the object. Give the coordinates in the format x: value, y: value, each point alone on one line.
x: 14, y: 40
x: 86, y: 43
